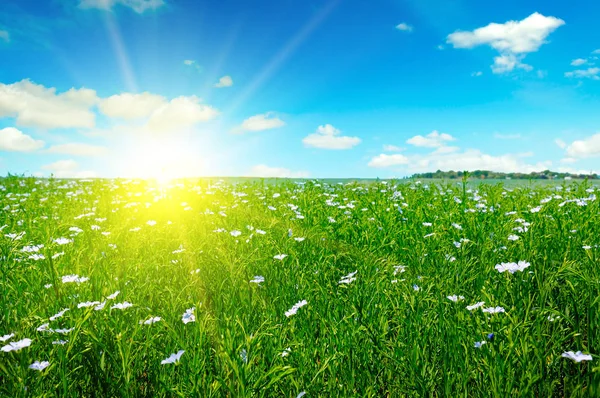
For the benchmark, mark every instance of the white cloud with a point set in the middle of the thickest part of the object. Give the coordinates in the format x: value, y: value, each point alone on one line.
x: 404, y: 27
x: 265, y: 171
x: 383, y: 160
x: 179, y: 114
x: 591, y: 73
x: 13, y: 140
x: 446, y: 149
x: 470, y: 159
x: 569, y: 160
x: 434, y: 139
x: 328, y: 137
x: 225, y: 81
x: 138, y: 6
x: 67, y: 168
x: 571, y: 170
x: 77, y: 149
x: 260, y: 122
x: 596, y: 51
x: 586, y: 148
x: 578, y: 62
x: 34, y: 105
x: 392, y: 148
x: 560, y: 143
x: 512, y: 39
x: 4, y: 35
x: 189, y: 62
x: 476, y: 74
x: 131, y: 106
x: 507, y: 136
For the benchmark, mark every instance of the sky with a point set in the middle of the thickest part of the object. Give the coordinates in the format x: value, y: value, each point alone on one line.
x: 290, y: 88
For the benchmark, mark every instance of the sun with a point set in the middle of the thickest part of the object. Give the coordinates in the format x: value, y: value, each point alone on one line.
x: 162, y: 160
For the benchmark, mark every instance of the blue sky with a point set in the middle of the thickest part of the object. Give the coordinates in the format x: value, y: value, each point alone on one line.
x: 318, y: 88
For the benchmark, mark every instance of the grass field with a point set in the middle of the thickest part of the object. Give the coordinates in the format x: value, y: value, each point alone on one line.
x: 127, y: 288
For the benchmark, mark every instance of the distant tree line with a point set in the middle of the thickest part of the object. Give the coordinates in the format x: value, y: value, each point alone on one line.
x: 486, y: 174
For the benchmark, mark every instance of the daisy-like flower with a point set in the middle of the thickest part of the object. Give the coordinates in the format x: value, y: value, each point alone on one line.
x: 456, y: 298
x: 577, y: 356
x: 286, y: 352
x: 86, y: 304
x: 260, y: 232
x: 39, y: 365
x: 151, y: 320
x: 295, y: 308
x: 475, y: 306
x: 235, y: 233
x: 7, y: 337
x: 114, y: 295
x: 16, y: 345
x: 59, y: 314
x: 100, y: 306
x: 37, y: 257
x: 44, y: 328
x: 173, y: 358
x: 258, y: 279
x: 121, y: 306
x: 74, y: 279
x: 348, y: 279
x: 189, y: 316
x: 513, y: 237
x: 63, y: 241
x: 512, y: 267
x: 299, y: 239
x: 280, y: 256
x: 536, y: 209
x: 493, y: 310
x: 398, y: 269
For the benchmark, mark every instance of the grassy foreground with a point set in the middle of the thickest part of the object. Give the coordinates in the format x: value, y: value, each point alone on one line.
x: 125, y: 288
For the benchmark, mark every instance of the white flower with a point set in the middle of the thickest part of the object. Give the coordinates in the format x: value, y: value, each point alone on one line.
x: 513, y: 237
x: 114, y: 295
x: 577, y: 356
x: 37, y: 257
x: 286, y: 352
x: 235, y: 233
x: 44, y: 328
x: 59, y: 314
x: 258, y: 279
x: 295, y: 308
x: 586, y: 247
x: 455, y: 298
x: 87, y: 304
x: 100, y: 306
x: 151, y: 223
x: 536, y: 209
x: 427, y: 224
x: 7, y: 336
x: 121, y: 306
x: 63, y: 241
x: 299, y: 239
x: 48, y: 286
x: 480, y: 343
x: 151, y: 320
x: 74, y: 279
x: 64, y: 331
x: 493, y: 310
x: 512, y: 267
x: 348, y: 279
x: 16, y: 345
x: 398, y: 269
x: 39, y: 365
x: 57, y: 255
x: 280, y: 256
x: 476, y: 305
x: 300, y: 395
x: 189, y: 316
x: 260, y: 231
x: 173, y: 358
x: 60, y: 342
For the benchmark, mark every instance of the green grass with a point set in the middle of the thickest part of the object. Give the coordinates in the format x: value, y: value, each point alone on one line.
x: 386, y: 333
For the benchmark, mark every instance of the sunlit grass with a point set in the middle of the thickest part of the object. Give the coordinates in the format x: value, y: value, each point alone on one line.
x: 276, y: 289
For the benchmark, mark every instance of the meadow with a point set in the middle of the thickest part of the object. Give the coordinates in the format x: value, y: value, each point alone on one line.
x: 247, y: 289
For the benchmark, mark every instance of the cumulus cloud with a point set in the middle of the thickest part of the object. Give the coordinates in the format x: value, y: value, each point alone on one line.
x: 265, y: 171
x: 34, y: 105
x: 586, y: 148
x: 404, y: 27
x: 138, y: 6
x: 13, y: 140
x: 589, y: 73
x: 261, y: 122
x: 512, y: 39
x: 470, y: 159
x: 77, y: 149
x: 328, y: 137
x: 434, y: 139
x: 4, y: 35
x: 179, y: 114
x: 131, y: 106
x: 383, y: 160
x: 67, y: 168
x: 225, y: 81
